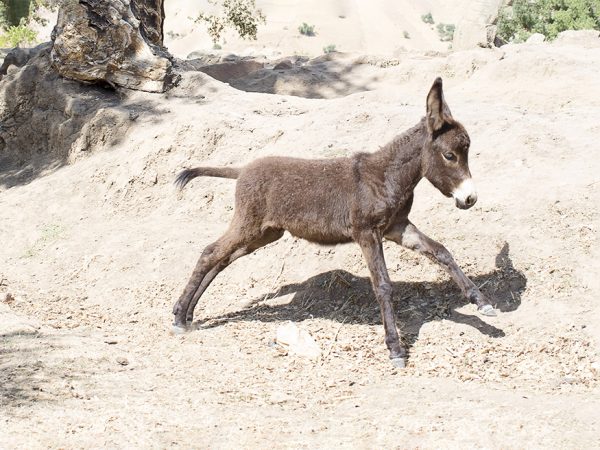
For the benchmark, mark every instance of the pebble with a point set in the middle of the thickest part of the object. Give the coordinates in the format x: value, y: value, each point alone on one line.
x: 123, y: 361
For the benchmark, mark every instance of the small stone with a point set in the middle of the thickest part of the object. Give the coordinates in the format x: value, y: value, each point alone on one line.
x: 297, y: 341
x: 123, y: 361
x: 286, y: 64
x: 536, y: 38
x: 150, y: 177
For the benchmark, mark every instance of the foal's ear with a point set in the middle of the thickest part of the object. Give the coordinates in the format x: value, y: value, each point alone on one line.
x: 438, y: 112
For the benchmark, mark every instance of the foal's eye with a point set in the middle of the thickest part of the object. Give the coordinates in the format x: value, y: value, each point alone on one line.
x: 450, y: 156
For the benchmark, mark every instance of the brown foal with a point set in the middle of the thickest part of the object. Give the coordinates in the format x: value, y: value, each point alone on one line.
x: 362, y: 198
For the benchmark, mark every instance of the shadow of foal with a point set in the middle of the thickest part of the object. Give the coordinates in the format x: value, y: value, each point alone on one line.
x: 340, y: 296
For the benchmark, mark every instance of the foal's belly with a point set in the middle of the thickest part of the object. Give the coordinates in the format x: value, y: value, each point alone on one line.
x: 320, y: 237
x: 322, y: 225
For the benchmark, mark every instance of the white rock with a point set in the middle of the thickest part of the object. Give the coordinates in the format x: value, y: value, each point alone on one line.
x: 297, y: 341
x: 475, y: 29
x: 582, y: 38
x: 536, y: 38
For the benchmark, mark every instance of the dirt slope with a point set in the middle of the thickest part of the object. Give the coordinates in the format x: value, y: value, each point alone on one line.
x: 374, y: 27
x: 95, y: 252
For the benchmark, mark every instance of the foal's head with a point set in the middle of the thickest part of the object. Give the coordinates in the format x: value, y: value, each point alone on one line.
x: 446, y: 151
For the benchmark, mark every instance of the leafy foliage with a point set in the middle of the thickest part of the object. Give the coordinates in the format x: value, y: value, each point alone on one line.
x: 306, y: 29
x: 548, y: 17
x: 446, y: 31
x: 329, y: 49
x: 241, y: 15
x: 34, y: 12
x: 18, y: 35
x: 3, y: 15
x: 15, y: 10
x: 428, y: 18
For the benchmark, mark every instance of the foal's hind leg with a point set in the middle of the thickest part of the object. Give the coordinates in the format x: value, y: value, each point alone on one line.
x: 208, y: 278
x: 267, y: 237
x: 218, y: 255
x: 407, y: 235
x: 211, y: 255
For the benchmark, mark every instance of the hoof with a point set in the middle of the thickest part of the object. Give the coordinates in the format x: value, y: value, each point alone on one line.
x: 179, y: 329
x: 487, y: 310
x: 399, y: 363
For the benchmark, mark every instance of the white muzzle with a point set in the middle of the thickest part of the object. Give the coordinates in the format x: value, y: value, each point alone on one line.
x: 465, y: 195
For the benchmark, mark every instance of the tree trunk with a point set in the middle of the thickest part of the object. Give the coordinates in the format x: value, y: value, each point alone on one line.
x: 118, y: 42
x: 151, y: 14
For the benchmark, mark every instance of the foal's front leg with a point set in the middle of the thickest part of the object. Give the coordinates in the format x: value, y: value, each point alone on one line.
x: 407, y: 235
x: 372, y: 249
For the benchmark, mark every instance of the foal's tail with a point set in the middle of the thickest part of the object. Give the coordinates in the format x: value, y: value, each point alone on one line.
x: 188, y: 174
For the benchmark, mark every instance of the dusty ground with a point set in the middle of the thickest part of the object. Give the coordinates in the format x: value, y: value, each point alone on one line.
x: 376, y: 27
x: 96, y: 248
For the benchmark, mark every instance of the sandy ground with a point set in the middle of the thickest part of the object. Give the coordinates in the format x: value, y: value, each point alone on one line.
x: 373, y: 27
x: 94, y: 253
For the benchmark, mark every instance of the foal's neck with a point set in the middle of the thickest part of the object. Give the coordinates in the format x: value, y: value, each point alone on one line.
x: 402, y: 158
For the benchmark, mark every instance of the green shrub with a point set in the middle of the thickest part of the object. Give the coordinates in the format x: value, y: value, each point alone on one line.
x: 445, y: 31
x: 405, y: 34
x: 3, y: 15
x: 37, y: 5
x: 306, y: 29
x: 428, y: 18
x: 241, y: 15
x: 548, y: 17
x: 329, y: 49
x: 15, y: 25
x: 15, y: 36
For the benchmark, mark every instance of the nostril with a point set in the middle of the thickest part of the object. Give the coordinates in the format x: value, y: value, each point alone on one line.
x: 471, y: 199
